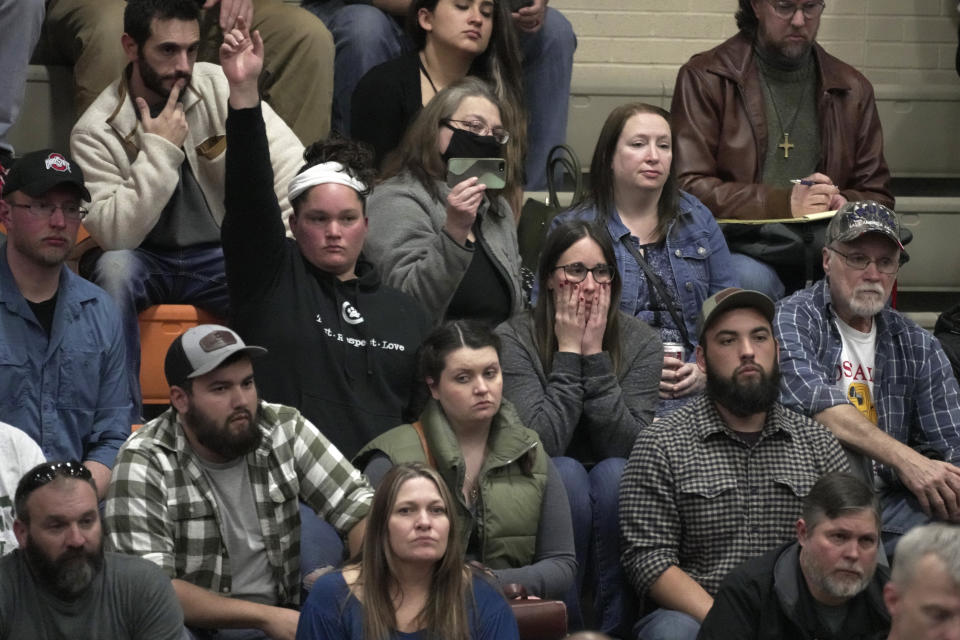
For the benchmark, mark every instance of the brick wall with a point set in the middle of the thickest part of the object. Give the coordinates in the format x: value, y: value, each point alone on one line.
x: 643, y: 42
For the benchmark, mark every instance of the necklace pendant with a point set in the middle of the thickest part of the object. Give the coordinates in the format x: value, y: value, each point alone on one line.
x: 786, y: 145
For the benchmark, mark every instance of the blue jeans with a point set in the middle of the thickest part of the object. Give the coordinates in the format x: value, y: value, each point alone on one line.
x: 20, y: 22
x: 320, y: 544
x: 594, y: 508
x: 139, y: 278
x: 900, y: 512
x: 757, y: 276
x: 366, y: 36
x: 666, y: 624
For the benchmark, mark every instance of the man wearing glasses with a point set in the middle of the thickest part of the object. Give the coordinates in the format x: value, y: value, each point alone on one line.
x: 63, y: 373
x: 61, y: 584
x: 881, y: 383
x: 769, y: 125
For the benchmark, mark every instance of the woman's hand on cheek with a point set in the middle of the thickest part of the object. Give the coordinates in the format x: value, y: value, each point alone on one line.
x: 596, y: 321
x: 569, y: 317
x: 463, y: 201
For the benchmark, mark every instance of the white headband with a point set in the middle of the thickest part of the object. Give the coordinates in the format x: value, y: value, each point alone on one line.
x: 328, y: 172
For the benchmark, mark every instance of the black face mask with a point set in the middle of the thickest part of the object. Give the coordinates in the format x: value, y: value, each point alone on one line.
x: 465, y: 144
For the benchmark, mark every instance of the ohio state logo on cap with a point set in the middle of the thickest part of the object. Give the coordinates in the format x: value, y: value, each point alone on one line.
x: 57, y: 162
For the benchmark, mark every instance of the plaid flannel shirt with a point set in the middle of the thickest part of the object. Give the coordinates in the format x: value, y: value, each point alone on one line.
x: 914, y: 389
x: 696, y: 496
x: 161, y: 507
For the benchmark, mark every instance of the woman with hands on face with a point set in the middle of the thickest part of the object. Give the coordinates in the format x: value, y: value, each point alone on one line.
x: 584, y: 376
x: 454, y: 249
x: 669, y: 250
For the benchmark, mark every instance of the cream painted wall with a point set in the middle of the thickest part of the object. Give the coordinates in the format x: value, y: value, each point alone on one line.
x: 643, y: 42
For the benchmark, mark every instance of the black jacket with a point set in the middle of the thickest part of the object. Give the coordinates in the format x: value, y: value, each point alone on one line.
x: 385, y: 102
x: 343, y: 353
x: 766, y: 598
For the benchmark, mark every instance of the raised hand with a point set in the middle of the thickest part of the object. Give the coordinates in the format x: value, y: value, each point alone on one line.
x: 596, y: 320
x: 171, y: 123
x: 530, y: 19
x: 231, y: 10
x: 463, y: 201
x: 241, y: 56
x: 569, y: 318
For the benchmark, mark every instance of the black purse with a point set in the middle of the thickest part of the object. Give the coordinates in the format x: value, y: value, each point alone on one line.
x: 536, y: 216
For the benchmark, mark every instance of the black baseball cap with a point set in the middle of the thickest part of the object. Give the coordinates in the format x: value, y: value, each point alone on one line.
x: 38, y: 172
x: 202, y: 349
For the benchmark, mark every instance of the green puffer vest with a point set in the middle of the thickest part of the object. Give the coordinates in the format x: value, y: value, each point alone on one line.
x: 511, y: 485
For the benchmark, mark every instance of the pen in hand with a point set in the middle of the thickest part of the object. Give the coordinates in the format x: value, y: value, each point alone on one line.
x: 806, y: 183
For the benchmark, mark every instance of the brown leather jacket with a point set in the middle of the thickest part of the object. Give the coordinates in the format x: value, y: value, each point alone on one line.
x: 720, y: 128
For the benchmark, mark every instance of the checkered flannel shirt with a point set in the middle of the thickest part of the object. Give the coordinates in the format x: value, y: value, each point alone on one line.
x: 161, y: 507
x: 696, y: 496
x: 914, y: 389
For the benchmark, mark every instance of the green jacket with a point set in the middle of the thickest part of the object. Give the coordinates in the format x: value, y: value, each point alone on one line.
x: 511, y: 484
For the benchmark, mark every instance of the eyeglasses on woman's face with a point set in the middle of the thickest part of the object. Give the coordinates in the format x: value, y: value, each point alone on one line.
x: 577, y: 272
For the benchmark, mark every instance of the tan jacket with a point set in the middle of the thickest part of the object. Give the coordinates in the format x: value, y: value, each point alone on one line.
x: 131, y: 174
x: 719, y: 124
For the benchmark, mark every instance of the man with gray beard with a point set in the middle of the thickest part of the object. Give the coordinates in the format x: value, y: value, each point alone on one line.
x: 825, y: 584
x: 881, y: 383
x: 61, y: 584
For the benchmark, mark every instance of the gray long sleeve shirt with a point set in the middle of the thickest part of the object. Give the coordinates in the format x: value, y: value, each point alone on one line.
x: 583, y: 408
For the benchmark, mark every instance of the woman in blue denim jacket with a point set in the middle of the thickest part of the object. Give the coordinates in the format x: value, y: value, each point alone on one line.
x: 634, y: 195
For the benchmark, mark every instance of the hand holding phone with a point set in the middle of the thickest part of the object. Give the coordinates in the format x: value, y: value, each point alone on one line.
x: 490, y: 172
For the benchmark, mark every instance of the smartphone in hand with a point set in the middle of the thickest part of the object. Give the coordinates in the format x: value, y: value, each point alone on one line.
x: 489, y: 171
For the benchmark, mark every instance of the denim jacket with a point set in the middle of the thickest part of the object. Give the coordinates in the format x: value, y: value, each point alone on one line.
x: 698, y: 256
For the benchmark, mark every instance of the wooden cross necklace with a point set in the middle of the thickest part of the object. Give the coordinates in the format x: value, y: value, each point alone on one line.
x: 786, y: 145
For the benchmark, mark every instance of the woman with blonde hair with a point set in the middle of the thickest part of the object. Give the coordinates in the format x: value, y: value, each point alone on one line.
x: 410, y: 581
x: 453, y: 248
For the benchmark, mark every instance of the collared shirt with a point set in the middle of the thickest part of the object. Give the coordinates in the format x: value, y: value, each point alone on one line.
x: 69, y: 391
x: 161, y: 507
x: 697, y: 496
x: 915, y: 392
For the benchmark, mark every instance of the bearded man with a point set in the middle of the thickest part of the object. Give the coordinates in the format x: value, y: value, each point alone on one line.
x: 153, y: 148
x: 881, y: 383
x: 721, y: 479
x: 766, y: 107
x: 826, y: 584
x: 209, y: 491
x: 61, y: 584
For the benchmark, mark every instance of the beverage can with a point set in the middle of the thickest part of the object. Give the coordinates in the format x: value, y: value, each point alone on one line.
x: 673, y: 350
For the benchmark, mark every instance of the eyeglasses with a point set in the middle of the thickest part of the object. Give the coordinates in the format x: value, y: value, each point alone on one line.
x: 479, y: 128
x: 46, y: 472
x: 46, y: 209
x: 786, y: 10
x: 860, y: 262
x: 577, y: 272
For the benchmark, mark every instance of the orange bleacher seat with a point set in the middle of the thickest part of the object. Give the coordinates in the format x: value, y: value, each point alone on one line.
x: 159, y: 326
